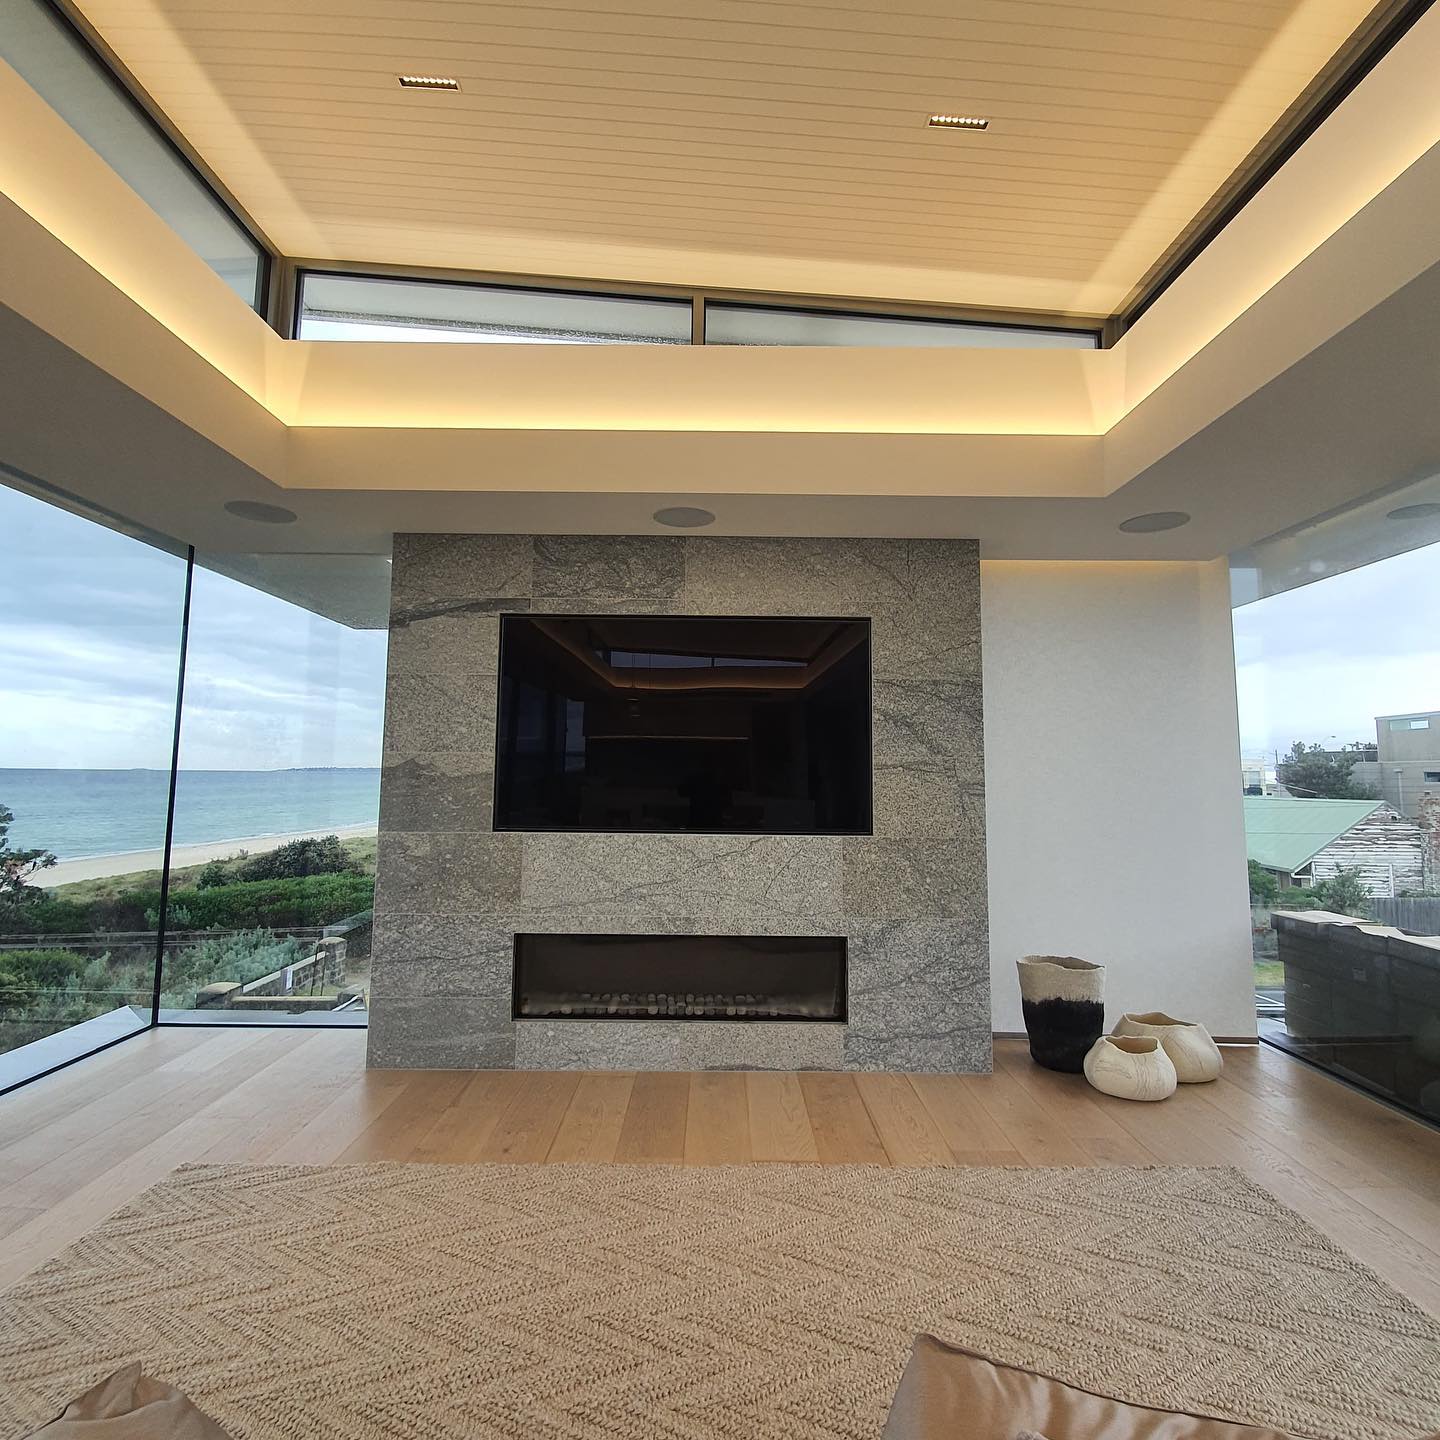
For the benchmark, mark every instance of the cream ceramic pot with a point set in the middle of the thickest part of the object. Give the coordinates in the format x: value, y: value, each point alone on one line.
x: 1195, y: 1056
x: 1132, y: 1067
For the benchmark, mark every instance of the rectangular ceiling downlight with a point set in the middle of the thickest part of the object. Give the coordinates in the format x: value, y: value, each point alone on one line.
x: 428, y: 82
x: 958, y: 122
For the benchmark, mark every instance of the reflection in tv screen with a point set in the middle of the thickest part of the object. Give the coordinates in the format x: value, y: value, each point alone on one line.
x: 641, y: 722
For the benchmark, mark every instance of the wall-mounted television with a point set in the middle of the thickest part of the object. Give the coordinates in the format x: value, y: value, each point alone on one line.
x: 709, y: 725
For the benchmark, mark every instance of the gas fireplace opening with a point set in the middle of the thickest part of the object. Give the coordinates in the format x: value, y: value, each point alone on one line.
x: 679, y: 977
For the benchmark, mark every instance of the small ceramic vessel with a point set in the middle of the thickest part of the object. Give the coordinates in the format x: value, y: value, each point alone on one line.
x: 1195, y: 1056
x: 1133, y: 1067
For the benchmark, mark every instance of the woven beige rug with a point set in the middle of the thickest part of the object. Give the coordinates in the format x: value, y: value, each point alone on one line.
x: 741, y: 1302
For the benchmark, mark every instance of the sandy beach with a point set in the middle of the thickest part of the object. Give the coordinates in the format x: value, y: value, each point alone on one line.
x: 95, y: 867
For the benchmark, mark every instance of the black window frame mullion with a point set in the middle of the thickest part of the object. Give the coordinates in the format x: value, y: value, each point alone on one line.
x: 162, y: 921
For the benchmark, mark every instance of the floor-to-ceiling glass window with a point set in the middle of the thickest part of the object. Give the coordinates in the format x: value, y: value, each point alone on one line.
x: 248, y: 898
x: 1337, y: 636
x: 89, y: 659
x: 277, y: 794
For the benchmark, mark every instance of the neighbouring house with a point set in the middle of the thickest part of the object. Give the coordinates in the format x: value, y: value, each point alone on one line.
x: 1406, y: 764
x: 1303, y: 842
x: 1257, y: 775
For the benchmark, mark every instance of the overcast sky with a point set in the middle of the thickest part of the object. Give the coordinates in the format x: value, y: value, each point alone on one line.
x: 1320, y: 663
x: 91, y: 628
x: 88, y: 658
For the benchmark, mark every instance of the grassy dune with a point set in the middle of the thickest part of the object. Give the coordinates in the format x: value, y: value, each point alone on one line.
x: 361, y: 848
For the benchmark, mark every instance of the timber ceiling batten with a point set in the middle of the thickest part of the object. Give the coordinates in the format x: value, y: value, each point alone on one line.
x: 760, y: 145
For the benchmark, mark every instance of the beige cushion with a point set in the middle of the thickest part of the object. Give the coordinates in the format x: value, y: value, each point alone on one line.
x: 952, y: 1394
x: 131, y: 1406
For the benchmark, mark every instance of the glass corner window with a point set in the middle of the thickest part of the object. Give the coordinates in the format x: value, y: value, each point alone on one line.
x: 363, y: 307
x: 231, y: 883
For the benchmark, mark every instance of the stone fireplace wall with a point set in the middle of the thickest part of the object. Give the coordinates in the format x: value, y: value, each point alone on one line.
x: 452, y: 892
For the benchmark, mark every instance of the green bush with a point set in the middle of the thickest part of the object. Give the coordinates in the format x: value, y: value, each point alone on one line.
x: 1345, y: 893
x: 306, y: 900
x: 243, y: 956
x: 316, y: 856
x: 29, y: 973
x: 212, y: 874
x: 1264, y: 887
x: 1294, y: 898
x: 77, y: 917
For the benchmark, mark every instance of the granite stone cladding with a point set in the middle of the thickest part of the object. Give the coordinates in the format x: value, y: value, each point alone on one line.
x: 911, y: 898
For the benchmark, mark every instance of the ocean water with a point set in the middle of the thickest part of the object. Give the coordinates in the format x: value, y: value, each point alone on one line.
x: 77, y: 813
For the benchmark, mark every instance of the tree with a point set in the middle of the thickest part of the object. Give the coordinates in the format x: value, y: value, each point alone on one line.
x: 1264, y: 887
x: 1344, y: 893
x: 1311, y: 773
x: 17, y: 866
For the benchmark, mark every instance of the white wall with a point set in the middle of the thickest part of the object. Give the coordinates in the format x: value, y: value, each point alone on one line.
x: 1113, y: 806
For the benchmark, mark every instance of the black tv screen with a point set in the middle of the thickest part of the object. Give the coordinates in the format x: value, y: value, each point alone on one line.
x: 700, y: 724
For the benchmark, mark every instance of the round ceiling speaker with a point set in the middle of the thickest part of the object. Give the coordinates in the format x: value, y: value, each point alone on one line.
x: 684, y: 517
x: 1156, y: 521
x: 1422, y: 511
x: 260, y: 512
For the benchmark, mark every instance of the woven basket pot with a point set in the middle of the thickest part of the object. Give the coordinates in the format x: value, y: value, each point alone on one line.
x: 1064, y: 1003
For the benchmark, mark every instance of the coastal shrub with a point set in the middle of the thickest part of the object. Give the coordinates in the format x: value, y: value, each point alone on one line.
x: 245, y: 905
x: 243, y: 956
x: 43, y: 1015
x: 305, y: 900
x: 28, y: 973
x: 177, y: 918
x: 212, y: 874
x: 101, y: 986
x: 316, y: 856
x: 77, y: 917
x: 42, y: 991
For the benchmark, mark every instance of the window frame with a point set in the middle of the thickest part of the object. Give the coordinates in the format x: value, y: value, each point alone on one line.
x: 509, y: 286
x: 294, y: 272
x: 112, y: 72
x: 961, y: 321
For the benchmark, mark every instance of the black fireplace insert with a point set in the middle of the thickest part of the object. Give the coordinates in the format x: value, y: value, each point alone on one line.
x: 679, y: 977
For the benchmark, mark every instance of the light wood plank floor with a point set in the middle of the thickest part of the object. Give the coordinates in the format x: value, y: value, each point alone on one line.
x: 80, y: 1143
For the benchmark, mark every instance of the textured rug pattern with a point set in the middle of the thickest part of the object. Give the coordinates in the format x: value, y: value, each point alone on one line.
x: 768, y: 1301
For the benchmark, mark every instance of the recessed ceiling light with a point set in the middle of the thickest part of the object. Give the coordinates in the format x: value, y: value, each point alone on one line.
x: 260, y: 512
x: 958, y: 122
x: 1422, y: 511
x: 428, y: 82
x: 684, y: 517
x: 1155, y: 521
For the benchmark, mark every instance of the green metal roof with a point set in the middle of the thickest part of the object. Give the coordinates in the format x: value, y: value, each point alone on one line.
x: 1285, y: 834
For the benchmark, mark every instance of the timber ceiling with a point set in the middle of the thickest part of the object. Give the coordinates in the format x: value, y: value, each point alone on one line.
x: 740, y: 143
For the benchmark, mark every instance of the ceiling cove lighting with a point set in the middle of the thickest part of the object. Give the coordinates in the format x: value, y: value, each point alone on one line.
x: 958, y: 122
x: 428, y: 82
x: 1154, y: 522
